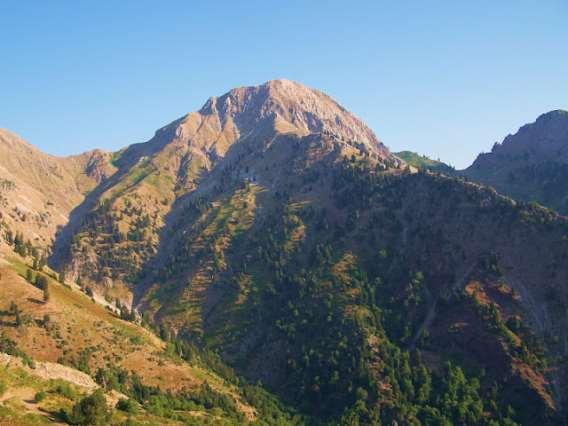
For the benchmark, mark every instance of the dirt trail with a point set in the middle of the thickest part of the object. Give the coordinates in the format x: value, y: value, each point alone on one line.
x: 25, y: 395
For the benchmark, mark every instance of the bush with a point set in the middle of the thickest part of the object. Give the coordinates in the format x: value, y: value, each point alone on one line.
x: 91, y: 410
x: 127, y: 405
x: 65, y: 390
x: 40, y: 396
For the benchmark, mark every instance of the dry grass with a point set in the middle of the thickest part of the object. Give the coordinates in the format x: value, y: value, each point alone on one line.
x: 78, y: 324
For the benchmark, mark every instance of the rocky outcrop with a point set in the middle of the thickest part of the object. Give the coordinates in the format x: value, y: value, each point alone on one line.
x: 532, y: 164
x: 51, y: 371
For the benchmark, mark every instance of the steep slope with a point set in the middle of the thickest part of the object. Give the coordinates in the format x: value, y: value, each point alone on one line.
x: 65, y: 345
x: 531, y: 165
x: 38, y: 191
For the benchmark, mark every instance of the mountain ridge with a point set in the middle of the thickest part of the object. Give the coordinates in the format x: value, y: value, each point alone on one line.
x: 530, y: 165
x: 39, y: 190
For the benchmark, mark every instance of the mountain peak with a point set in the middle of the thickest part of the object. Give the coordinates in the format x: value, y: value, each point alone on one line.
x: 304, y: 108
x: 546, y: 137
x: 531, y: 164
x: 553, y: 123
x: 283, y: 84
x: 549, y: 128
x: 554, y: 115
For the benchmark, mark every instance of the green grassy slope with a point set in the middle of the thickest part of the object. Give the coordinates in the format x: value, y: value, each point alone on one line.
x: 422, y: 162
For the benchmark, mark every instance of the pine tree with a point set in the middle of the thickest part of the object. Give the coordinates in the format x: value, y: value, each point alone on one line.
x: 46, y: 294
x: 17, y: 316
x: 42, y: 262
x: 19, y: 245
x: 41, y: 282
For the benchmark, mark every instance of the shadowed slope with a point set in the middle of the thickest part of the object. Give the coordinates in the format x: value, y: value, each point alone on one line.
x: 532, y: 164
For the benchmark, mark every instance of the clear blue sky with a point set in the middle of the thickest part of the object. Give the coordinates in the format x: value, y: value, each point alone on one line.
x: 444, y: 78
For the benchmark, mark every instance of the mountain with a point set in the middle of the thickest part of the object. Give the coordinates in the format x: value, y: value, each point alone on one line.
x: 422, y: 162
x: 249, y: 133
x: 38, y: 191
x: 272, y: 234
x: 532, y: 164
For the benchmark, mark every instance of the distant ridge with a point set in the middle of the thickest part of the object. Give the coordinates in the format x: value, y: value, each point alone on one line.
x: 532, y: 164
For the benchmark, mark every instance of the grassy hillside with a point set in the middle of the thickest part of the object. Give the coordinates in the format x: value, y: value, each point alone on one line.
x: 421, y: 162
x: 543, y: 183
x: 73, y: 341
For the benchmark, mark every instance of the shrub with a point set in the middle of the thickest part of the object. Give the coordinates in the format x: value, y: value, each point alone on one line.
x: 40, y: 396
x: 91, y: 410
x: 65, y: 390
x: 8, y: 346
x: 127, y: 405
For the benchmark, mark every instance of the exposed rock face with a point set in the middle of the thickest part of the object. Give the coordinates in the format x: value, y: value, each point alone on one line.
x: 531, y: 165
x: 50, y: 371
x: 248, y: 113
x: 545, y: 139
x: 308, y: 110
